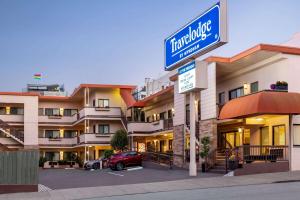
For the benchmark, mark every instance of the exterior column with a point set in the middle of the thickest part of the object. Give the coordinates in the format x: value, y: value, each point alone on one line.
x: 84, y: 97
x: 193, y: 165
x: 209, y: 128
x: 291, y: 132
x: 84, y: 154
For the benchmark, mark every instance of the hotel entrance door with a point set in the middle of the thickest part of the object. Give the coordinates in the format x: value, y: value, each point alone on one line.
x: 234, y: 139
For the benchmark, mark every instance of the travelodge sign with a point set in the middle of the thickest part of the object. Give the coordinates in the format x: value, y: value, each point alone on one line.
x: 203, y: 34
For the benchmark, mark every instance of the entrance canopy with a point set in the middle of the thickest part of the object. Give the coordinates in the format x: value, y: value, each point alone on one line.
x: 265, y: 102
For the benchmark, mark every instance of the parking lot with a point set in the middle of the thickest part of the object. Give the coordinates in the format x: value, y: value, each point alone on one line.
x: 74, y: 178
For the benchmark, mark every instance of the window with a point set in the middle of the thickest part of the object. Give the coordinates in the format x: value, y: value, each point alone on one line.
x: 222, y: 98
x: 16, y: 111
x: 254, y: 87
x: 2, y: 111
x: 70, y: 133
x: 170, y: 114
x: 52, y: 112
x: 297, y: 135
x: 52, y: 156
x: 279, y: 135
x: 69, y: 156
x: 148, y: 119
x: 103, y: 103
x: 264, y: 131
x: 162, y: 115
x: 52, y: 133
x: 70, y: 112
x: 103, y: 129
x: 170, y: 144
x: 236, y: 93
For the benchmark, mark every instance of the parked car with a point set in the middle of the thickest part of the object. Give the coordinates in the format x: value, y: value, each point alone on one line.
x: 121, y: 160
x: 92, y: 164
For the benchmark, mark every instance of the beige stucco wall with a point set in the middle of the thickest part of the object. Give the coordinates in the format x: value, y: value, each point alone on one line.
x: 179, y: 106
x: 208, y: 96
x: 57, y: 104
x: 281, y: 67
x: 30, y: 116
x: 159, y: 108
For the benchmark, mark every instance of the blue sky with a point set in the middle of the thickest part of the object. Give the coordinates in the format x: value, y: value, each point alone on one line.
x: 119, y: 41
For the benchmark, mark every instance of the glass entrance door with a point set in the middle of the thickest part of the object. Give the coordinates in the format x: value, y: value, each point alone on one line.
x: 235, y: 139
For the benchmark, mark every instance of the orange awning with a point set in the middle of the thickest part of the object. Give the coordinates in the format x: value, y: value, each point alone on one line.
x: 265, y: 102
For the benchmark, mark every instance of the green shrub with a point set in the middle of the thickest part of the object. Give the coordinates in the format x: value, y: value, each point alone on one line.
x: 42, y: 161
x: 120, y: 140
x: 108, y: 153
x: 205, y: 147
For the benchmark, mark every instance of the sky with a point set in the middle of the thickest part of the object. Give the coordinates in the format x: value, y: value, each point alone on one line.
x: 119, y: 41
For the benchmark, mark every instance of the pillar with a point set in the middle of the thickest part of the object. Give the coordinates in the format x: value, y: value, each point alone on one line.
x: 209, y: 128
x: 193, y: 165
x: 178, y: 145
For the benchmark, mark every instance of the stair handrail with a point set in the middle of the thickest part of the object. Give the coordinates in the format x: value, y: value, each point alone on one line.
x: 12, y: 131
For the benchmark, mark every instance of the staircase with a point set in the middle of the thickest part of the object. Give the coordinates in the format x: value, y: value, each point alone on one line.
x: 11, y: 132
x: 220, y: 164
x: 3, y: 147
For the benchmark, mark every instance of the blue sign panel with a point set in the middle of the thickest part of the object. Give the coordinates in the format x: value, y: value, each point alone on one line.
x: 196, y: 37
x: 187, y: 67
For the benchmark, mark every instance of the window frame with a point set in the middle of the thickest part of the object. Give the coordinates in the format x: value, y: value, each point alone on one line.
x: 251, y: 87
x: 236, y: 94
x: 103, y: 101
x: 219, y: 100
x: 103, y: 125
x: 52, y: 134
x: 52, y: 111
x: 273, y: 141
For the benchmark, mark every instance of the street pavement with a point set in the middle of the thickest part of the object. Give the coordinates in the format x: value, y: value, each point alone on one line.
x: 275, y: 185
x: 78, y: 178
x: 275, y: 191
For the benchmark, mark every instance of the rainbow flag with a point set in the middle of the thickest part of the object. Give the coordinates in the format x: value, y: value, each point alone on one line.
x: 37, y: 76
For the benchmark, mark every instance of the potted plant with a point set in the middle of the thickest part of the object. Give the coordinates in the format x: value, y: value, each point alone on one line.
x: 205, y: 147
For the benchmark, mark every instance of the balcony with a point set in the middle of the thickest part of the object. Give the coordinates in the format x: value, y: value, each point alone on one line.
x: 58, y: 141
x: 150, y: 127
x: 111, y: 112
x: 57, y: 119
x: 95, y: 138
x: 12, y: 118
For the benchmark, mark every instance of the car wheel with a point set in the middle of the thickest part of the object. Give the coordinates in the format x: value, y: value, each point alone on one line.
x: 120, y: 166
x: 96, y: 166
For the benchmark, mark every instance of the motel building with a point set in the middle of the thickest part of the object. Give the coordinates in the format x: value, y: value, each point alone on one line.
x: 63, y: 126
x: 248, y: 105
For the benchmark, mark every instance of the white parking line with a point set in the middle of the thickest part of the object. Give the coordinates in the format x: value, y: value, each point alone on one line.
x: 115, y: 174
x: 134, y: 168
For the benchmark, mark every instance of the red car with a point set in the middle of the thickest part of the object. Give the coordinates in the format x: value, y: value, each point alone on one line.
x: 121, y: 160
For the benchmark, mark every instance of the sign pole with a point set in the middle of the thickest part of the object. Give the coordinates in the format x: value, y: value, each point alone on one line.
x: 193, y: 165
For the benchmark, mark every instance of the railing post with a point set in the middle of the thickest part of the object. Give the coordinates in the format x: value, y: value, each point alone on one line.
x: 226, y: 161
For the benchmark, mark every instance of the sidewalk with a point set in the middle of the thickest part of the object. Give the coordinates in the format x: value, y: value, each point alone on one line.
x: 193, y: 183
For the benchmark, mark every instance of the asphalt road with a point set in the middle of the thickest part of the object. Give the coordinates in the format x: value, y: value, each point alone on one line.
x: 277, y: 191
x: 75, y: 178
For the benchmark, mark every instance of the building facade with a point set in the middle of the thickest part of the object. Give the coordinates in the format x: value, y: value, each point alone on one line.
x: 61, y: 126
x: 249, y: 109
